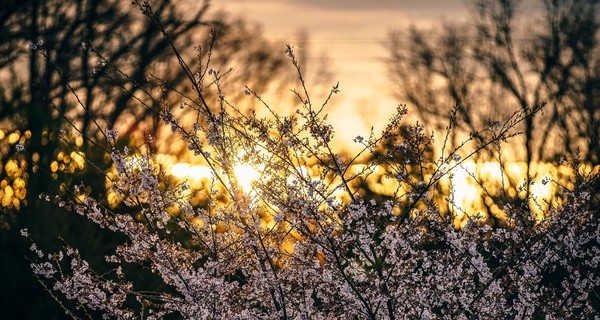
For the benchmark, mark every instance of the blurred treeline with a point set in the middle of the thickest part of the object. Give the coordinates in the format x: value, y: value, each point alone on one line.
x: 509, y: 55
x: 62, y: 91
x: 499, y: 61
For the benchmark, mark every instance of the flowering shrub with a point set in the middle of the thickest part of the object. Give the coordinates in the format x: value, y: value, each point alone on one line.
x: 309, y: 245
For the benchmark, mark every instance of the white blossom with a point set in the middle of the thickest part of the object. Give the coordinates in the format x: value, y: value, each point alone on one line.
x: 317, y: 244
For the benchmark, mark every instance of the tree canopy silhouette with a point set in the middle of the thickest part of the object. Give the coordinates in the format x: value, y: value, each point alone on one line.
x: 506, y: 56
x: 43, y: 97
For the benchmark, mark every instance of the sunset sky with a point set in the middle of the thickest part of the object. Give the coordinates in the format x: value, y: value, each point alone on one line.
x: 352, y: 34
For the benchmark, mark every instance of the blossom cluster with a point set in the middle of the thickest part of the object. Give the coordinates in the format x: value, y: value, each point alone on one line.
x: 313, y: 246
x: 359, y: 260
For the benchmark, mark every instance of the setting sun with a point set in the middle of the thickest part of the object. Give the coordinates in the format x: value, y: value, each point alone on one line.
x: 440, y: 160
x: 184, y: 170
x: 245, y: 175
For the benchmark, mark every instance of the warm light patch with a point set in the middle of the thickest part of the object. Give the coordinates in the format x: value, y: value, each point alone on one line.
x: 14, y: 137
x: 465, y: 191
x: 185, y: 171
x: 245, y: 175
x: 300, y: 173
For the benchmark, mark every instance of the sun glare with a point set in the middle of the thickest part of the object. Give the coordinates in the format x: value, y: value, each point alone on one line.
x: 245, y: 175
x: 465, y: 191
x: 468, y: 198
x: 184, y: 170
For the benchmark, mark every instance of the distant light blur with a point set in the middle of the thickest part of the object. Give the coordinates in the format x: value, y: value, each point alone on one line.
x: 463, y: 195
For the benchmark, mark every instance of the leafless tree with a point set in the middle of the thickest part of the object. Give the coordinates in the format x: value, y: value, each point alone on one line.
x: 508, y: 58
x: 80, y: 41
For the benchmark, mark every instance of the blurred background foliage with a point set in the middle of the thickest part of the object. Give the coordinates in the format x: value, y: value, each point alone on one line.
x: 497, y: 61
x: 504, y: 58
x: 42, y: 99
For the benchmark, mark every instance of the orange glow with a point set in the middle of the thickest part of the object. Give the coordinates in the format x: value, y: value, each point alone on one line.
x: 246, y: 175
x: 468, y: 197
x: 14, y: 137
x: 187, y: 171
x: 465, y: 192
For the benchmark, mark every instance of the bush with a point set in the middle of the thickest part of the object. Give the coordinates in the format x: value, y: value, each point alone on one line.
x: 303, y: 242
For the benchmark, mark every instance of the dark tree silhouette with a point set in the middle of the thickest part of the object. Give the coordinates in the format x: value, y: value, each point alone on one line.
x: 55, y: 67
x: 507, y: 58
